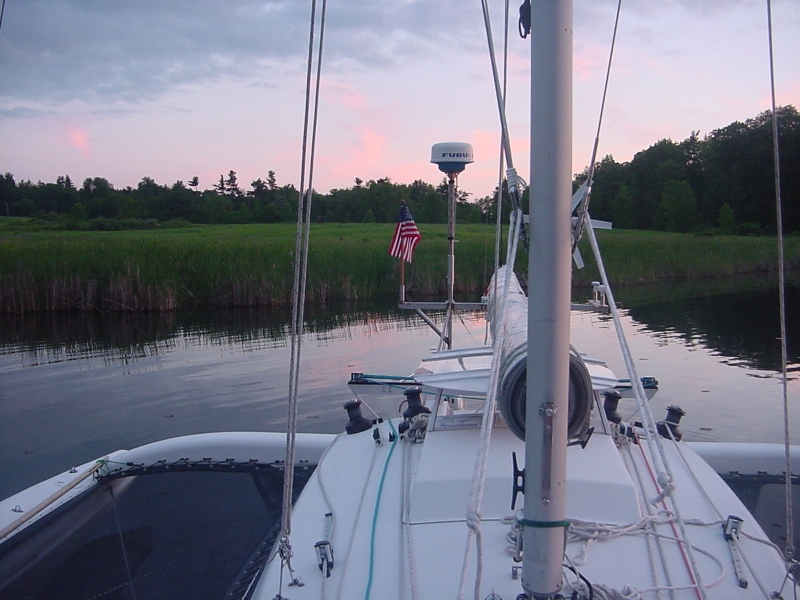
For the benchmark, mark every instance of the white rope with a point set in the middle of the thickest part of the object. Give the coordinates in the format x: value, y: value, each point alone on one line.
x: 650, y: 508
x: 664, y: 474
x: 604, y: 592
x: 473, y: 517
x: 479, y: 473
x: 499, y: 92
x: 581, y: 531
x: 711, y: 503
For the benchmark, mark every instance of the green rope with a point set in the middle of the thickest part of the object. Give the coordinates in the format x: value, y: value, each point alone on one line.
x: 375, y: 514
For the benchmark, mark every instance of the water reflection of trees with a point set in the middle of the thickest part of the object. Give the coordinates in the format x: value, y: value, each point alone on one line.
x: 733, y: 318
x: 49, y: 337
x: 741, y: 325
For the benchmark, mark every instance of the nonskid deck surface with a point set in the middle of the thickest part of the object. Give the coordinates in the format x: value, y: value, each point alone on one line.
x: 165, y: 535
x: 399, y: 527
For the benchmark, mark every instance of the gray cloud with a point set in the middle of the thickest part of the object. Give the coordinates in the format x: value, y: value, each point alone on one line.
x: 104, y: 55
x: 54, y: 52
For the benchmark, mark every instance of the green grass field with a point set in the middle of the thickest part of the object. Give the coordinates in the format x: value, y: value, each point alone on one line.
x: 252, y: 265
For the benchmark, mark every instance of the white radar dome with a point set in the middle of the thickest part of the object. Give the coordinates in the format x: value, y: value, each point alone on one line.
x: 452, y: 157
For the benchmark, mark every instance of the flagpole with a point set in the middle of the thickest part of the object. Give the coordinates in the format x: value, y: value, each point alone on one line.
x: 406, y: 235
x: 402, y: 280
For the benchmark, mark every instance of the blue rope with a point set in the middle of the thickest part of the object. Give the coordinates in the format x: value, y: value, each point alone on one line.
x: 375, y: 514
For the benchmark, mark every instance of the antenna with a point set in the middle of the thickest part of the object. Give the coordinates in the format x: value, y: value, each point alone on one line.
x: 452, y: 158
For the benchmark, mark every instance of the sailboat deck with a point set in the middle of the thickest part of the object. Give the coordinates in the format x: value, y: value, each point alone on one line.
x: 404, y: 505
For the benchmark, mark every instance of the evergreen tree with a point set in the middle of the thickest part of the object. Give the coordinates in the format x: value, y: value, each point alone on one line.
x: 219, y: 187
x: 232, y: 185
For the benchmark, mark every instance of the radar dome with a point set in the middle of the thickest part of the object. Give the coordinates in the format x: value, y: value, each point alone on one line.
x: 452, y: 157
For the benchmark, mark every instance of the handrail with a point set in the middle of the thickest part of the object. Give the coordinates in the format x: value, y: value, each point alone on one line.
x: 52, y: 498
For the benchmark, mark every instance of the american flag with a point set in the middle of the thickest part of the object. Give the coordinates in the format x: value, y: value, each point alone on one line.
x: 406, y: 236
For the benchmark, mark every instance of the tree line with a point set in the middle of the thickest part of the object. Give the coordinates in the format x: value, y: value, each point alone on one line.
x: 97, y: 204
x: 723, y: 182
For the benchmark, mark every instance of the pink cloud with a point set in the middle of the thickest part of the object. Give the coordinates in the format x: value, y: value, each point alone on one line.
x: 358, y: 158
x: 372, y: 145
x: 79, y: 138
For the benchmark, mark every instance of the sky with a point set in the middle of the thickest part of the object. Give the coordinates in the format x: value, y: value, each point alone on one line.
x: 182, y: 88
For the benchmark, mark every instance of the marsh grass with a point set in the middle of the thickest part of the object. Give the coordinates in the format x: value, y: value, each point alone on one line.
x: 633, y: 257
x: 253, y: 265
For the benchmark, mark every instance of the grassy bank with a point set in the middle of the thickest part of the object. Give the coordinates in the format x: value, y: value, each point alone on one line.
x: 252, y: 265
x: 633, y: 257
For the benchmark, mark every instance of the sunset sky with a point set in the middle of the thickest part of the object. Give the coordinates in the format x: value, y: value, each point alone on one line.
x: 174, y: 89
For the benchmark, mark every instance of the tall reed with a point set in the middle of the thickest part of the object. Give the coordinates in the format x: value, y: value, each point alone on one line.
x: 252, y: 265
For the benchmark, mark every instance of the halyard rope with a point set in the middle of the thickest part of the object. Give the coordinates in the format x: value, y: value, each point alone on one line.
x: 515, y: 183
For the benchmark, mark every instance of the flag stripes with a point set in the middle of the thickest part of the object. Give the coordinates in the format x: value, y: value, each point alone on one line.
x: 406, y: 236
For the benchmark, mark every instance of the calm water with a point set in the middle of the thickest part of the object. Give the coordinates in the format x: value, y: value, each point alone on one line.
x: 76, y: 387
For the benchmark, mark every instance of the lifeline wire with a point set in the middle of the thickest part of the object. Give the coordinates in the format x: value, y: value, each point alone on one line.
x: 789, y: 552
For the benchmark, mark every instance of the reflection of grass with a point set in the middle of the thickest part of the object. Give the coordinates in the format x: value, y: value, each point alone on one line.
x: 252, y: 265
x: 630, y: 296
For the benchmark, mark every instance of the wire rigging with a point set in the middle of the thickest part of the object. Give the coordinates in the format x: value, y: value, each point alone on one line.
x: 300, y: 279
x: 583, y: 207
x: 789, y: 550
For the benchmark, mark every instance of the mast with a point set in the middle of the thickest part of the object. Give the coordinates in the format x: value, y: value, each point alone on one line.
x: 549, y: 273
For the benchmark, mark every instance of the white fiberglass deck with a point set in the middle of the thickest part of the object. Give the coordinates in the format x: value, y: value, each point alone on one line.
x: 399, y: 527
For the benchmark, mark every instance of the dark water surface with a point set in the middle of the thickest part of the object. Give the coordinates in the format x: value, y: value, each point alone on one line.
x: 74, y: 387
